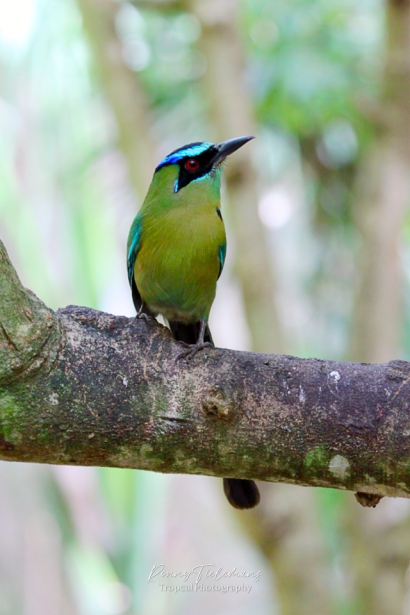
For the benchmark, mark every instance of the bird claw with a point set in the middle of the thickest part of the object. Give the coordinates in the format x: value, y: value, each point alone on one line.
x: 145, y: 317
x: 192, y: 349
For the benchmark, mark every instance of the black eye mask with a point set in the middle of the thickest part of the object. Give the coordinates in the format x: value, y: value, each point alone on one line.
x: 205, y: 167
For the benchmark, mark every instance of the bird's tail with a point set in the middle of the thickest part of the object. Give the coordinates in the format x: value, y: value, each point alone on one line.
x: 241, y: 493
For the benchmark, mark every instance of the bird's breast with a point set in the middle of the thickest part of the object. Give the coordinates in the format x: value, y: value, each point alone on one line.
x: 177, y: 266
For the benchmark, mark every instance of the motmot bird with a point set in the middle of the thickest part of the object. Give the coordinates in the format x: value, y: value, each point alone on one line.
x: 176, y: 252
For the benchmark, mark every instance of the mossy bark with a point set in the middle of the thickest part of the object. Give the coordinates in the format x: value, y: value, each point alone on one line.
x: 87, y: 388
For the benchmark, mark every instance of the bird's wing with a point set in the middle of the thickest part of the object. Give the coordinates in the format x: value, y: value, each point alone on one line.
x: 134, y: 243
x: 222, y: 256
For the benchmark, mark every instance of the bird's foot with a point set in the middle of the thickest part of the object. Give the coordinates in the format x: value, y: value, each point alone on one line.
x: 145, y: 317
x: 191, y: 349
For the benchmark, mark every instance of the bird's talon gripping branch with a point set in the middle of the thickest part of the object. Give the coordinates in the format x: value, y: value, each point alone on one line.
x: 185, y: 344
x: 176, y: 253
x: 145, y: 317
x: 192, y: 350
x: 142, y: 313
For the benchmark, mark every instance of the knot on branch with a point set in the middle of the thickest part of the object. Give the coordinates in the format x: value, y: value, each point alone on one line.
x: 219, y: 403
x: 368, y: 500
x: 398, y: 370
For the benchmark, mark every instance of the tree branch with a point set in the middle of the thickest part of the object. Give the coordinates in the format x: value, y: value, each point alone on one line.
x: 87, y: 388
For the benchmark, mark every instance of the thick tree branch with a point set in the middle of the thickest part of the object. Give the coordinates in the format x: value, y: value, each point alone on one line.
x: 83, y: 387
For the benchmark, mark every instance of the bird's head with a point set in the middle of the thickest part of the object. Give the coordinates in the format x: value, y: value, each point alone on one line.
x: 197, y: 162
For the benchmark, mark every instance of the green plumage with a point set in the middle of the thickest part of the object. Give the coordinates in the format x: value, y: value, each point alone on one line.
x: 181, y: 240
x: 176, y: 252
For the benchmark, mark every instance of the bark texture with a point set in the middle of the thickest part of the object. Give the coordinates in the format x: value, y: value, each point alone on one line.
x: 83, y: 387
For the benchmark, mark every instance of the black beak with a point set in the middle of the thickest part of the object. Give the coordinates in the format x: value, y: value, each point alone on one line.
x: 226, y: 148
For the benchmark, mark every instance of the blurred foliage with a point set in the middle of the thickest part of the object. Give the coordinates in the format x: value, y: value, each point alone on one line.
x: 310, y: 62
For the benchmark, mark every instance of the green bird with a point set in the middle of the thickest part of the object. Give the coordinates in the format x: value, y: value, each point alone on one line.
x: 176, y: 252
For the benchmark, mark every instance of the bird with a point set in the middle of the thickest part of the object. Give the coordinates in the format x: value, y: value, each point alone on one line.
x: 176, y: 251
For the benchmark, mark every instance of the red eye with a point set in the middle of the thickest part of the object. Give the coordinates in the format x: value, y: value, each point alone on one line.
x: 192, y: 165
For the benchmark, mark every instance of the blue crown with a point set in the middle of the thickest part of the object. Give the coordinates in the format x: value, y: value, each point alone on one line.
x: 187, y: 151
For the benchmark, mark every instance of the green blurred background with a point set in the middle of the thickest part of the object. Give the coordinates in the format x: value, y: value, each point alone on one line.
x: 93, y: 94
